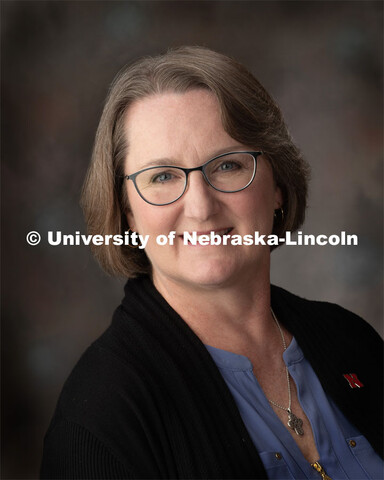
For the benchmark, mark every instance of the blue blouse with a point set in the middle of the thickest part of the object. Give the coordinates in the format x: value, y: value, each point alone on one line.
x: 344, y: 452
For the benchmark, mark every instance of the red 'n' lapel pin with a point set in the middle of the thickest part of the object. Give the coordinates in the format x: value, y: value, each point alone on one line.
x: 353, y: 381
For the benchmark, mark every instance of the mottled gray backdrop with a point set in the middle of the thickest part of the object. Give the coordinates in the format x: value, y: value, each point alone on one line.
x: 322, y: 61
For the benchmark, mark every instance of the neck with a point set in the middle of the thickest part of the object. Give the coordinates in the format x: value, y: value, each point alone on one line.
x: 227, y: 317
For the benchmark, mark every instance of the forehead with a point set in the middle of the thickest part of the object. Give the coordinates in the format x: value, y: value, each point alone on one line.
x: 186, y: 127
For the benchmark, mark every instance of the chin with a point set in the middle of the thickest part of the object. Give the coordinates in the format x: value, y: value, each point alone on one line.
x: 210, y: 274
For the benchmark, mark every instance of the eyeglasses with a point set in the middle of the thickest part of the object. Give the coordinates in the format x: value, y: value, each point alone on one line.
x: 229, y: 173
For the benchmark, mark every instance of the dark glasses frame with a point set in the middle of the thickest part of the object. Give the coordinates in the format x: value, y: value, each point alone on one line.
x: 187, y: 171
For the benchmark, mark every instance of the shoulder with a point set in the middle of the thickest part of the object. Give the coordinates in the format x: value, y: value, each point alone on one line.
x: 107, y: 374
x: 102, y: 406
x: 320, y: 313
x: 325, y: 329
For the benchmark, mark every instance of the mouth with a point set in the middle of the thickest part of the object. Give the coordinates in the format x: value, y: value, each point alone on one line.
x: 221, y: 232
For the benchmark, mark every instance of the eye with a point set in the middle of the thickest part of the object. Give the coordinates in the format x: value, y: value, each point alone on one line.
x: 228, y: 166
x: 165, y: 176
x: 162, y: 177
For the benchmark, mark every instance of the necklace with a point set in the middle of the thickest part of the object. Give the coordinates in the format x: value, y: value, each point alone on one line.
x: 295, y: 423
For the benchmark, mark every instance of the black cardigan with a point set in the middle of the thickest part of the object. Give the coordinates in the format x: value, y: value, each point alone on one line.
x: 146, y: 399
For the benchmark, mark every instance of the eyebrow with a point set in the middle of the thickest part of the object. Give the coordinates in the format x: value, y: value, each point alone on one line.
x: 176, y: 162
x: 160, y: 162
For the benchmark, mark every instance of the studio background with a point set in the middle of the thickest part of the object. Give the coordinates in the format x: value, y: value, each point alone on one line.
x: 321, y: 61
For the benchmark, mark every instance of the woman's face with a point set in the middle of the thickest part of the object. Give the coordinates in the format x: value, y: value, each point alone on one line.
x: 186, y: 130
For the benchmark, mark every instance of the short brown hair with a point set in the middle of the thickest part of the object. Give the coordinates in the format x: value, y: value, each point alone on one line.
x: 249, y: 115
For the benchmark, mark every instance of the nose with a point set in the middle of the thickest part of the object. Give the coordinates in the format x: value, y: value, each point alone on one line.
x: 200, y: 199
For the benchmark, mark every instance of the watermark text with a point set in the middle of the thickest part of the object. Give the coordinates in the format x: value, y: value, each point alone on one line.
x: 134, y: 239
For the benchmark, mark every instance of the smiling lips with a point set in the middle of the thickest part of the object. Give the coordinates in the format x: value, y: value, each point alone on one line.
x: 221, y: 232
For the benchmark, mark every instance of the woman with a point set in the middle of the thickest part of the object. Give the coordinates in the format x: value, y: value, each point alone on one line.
x: 206, y: 370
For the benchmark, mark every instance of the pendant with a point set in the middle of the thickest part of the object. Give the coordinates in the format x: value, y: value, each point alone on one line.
x: 295, y: 423
x: 321, y: 470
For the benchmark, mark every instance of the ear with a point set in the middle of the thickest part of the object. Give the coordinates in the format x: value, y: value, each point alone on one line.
x: 278, y: 198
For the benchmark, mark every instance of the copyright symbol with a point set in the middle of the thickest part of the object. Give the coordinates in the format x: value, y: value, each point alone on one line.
x: 33, y: 238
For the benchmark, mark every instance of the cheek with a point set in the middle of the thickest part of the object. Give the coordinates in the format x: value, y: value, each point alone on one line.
x: 141, y: 214
x: 256, y: 209
x: 154, y: 221
x: 148, y: 219
x: 258, y: 202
